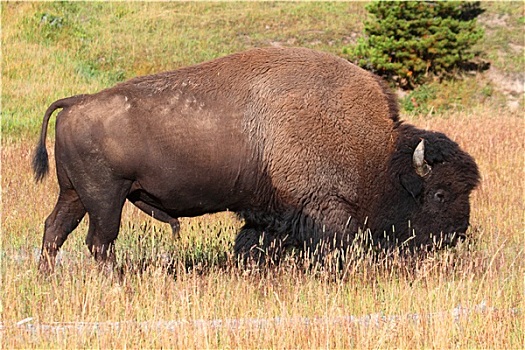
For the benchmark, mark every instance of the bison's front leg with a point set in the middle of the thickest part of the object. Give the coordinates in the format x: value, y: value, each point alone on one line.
x: 257, y: 246
x: 64, y: 218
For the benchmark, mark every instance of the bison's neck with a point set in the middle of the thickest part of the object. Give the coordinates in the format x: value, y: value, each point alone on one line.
x: 390, y: 210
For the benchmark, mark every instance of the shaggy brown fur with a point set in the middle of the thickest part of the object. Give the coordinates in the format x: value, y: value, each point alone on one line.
x: 303, y: 145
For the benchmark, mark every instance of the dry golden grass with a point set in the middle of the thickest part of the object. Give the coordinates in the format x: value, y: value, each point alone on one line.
x: 192, y: 281
x: 201, y: 283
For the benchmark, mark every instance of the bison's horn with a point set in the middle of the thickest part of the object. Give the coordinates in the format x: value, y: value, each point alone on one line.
x: 418, y: 159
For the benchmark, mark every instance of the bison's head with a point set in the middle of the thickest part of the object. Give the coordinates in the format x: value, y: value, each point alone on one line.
x: 427, y: 203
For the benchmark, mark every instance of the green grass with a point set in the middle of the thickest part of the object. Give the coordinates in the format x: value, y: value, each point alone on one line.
x: 53, y: 50
x: 504, y: 41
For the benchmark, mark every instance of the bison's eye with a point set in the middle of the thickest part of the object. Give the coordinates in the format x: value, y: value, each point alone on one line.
x: 439, y: 196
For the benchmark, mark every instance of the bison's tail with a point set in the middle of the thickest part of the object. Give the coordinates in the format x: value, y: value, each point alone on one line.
x: 40, y: 158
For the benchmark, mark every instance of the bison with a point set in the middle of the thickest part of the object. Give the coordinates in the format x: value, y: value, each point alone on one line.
x: 307, y: 148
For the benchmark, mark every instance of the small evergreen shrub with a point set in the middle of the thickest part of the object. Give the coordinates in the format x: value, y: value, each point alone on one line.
x: 408, y: 42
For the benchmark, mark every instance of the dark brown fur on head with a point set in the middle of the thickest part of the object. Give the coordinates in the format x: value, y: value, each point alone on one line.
x: 422, y: 211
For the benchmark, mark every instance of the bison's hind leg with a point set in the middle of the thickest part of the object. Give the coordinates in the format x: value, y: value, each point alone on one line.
x: 104, y: 206
x: 64, y: 218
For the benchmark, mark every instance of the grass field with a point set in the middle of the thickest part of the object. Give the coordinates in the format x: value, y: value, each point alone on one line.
x: 54, y: 50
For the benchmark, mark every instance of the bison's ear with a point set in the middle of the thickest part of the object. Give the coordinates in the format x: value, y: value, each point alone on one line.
x: 412, y: 183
